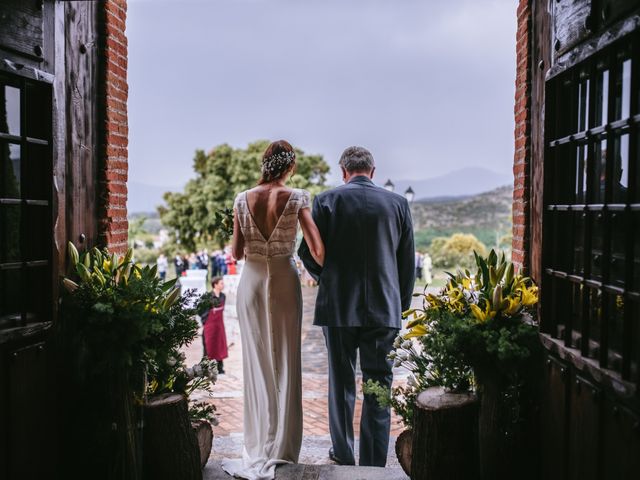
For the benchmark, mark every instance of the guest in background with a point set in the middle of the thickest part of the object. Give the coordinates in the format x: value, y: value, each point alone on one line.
x: 222, y: 264
x: 163, y: 265
x: 215, y: 337
x: 185, y: 262
x: 427, y: 268
x: 231, y: 262
x: 204, y: 259
x: 178, y: 263
x: 215, y: 267
x: 193, y: 261
x: 419, y: 265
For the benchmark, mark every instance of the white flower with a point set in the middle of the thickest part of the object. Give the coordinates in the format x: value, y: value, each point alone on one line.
x: 411, y: 381
x: 197, y: 370
x: 402, y: 355
x: 392, y: 355
x: 171, y: 361
x: 407, y: 344
x: 397, y: 342
x: 189, y: 372
x: 397, y: 362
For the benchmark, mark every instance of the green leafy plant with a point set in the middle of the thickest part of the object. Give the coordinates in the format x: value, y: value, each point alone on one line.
x: 120, y: 315
x: 475, y: 324
x: 485, y: 319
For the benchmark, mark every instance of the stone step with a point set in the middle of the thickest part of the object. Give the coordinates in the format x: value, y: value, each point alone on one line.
x: 213, y: 471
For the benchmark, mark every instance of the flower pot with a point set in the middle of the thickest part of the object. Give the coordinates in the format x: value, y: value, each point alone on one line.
x: 403, y: 450
x: 444, y: 436
x: 204, y: 434
x: 494, y: 444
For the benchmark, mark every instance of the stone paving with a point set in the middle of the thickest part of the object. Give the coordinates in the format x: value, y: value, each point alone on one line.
x: 227, y: 395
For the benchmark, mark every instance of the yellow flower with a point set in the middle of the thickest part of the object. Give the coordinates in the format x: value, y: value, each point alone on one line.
x: 529, y: 295
x: 416, y: 331
x: 482, y: 315
x: 512, y: 305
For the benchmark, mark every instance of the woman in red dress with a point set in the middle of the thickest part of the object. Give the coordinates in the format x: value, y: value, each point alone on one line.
x: 215, y: 337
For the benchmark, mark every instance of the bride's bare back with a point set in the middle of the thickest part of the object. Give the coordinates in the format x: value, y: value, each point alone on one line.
x: 266, y: 204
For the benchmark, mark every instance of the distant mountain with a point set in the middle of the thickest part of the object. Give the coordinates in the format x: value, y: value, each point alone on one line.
x: 486, y: 215
x: 144, y: 198
x: 465, y: 181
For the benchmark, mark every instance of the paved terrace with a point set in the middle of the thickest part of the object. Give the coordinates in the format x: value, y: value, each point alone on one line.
x: 229, y: 403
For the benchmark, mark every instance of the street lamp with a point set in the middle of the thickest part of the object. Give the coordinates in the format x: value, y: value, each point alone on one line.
x: 409, y: 194
x: 389, y: 185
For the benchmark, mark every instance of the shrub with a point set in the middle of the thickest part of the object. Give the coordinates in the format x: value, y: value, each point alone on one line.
x: 458, y: 250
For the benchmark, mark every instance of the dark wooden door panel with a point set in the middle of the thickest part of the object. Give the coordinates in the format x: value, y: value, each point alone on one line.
x: 28, y: 412
x: 81, y: 142
x: 621, y: 442
x: 584, y: 441
x: 570, y: 23
x: 554, y: 420
x: 21, y: 28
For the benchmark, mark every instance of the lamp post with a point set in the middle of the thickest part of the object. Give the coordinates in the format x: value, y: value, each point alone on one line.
x: 409, y: 194
x: 389, y: 185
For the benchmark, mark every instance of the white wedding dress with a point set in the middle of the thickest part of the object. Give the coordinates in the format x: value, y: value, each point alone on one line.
x: 269, y: 304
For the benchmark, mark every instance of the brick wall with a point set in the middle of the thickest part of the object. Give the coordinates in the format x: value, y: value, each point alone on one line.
x: 113, y: 224
x: 522, y: 111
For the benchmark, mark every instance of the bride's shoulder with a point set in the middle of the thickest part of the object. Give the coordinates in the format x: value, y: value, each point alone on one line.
x: 240, y: 198
x: 302, y: 196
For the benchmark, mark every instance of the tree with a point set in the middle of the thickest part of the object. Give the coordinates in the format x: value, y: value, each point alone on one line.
x: 458, y: 250
x: 220, y: 175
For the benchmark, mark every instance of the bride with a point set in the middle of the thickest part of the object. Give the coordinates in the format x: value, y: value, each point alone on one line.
x: 269, y: 304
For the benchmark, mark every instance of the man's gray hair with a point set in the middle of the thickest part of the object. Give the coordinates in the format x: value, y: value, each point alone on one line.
x: 357, y: 159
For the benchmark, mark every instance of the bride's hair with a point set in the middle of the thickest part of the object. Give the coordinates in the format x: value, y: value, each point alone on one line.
x: 277, y: 160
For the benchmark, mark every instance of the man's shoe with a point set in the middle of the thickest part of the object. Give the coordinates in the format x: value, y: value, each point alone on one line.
x: 333, y: 458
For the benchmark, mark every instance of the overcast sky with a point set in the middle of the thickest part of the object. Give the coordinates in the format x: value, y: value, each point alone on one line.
x: 426, y: 85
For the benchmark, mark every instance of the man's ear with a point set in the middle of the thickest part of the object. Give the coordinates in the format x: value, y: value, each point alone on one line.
x: 373, y: 170
x: 344, y: 174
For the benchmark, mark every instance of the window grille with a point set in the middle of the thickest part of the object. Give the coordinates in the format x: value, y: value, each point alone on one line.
x: 26, y: 178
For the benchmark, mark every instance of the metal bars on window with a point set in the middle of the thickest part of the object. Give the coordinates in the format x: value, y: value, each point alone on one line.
x: 591, y: 252
x: 26, y: 179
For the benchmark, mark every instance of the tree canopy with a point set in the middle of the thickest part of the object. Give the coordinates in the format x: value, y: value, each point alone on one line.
x: 221, y: 174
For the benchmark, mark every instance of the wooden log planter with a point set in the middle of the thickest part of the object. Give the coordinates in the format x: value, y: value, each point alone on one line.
x: 404, y: 444
x: 445, y: 436
x: 204, y: 434
x: 170, y: 445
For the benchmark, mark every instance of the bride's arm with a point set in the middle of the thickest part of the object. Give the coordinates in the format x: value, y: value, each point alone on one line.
x: 312, y: 235
x: 237, y: 245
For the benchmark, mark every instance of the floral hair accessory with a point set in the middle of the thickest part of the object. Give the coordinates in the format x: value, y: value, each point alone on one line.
x: 275, y: 164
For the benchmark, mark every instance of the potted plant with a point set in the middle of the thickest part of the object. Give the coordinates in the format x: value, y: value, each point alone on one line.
x: 112, y: 313
x: 122, y: 329
x: 486, y: 322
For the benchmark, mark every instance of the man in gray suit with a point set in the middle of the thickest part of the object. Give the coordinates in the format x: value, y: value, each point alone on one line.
x: 364, y: 286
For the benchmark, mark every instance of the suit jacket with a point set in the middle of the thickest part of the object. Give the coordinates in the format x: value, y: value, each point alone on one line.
x: 368, y: 275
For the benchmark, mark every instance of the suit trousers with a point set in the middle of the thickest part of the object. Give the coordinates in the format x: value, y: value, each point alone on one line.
x: 374, y: 344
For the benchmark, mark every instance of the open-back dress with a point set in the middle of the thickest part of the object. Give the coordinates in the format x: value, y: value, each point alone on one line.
x: 269, y: 305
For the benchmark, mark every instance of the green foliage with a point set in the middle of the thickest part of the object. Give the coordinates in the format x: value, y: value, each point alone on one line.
x: 203, y: 411
x: 145, y: 256
x: 435, y: 249
x: 136, y: 227
x: 475, y: 323
x: 457, y: 251
x: 480, y: 319
x: 118, y: 314
x: 196, y: 215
